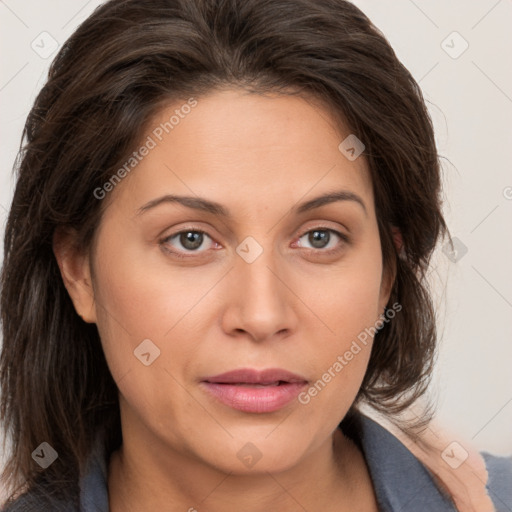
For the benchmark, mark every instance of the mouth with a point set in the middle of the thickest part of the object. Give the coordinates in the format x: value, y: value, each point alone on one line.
x: 256, y: 385
x: 267, y: 377
x: 255, y: 391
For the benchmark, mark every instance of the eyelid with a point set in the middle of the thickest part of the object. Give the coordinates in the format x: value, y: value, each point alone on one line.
x: 323, y: 227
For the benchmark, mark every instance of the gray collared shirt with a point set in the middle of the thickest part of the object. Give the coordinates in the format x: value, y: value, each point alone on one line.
x: 401, y: 482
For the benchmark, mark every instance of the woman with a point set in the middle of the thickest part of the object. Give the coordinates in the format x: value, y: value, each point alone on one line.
x: 215, y: 256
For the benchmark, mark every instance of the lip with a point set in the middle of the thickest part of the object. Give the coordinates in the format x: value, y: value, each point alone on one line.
x: 255, y: 391
x: 251, y: 376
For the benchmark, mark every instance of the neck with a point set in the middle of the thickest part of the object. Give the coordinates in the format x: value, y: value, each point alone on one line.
x: 332, y: 478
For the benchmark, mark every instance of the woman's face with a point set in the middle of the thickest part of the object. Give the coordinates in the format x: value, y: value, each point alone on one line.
x: 270, y: 283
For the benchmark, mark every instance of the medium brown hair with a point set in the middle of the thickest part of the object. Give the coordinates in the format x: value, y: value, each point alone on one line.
x: 108, y: 81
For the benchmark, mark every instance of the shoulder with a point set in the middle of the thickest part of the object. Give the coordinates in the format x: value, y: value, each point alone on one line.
x: 400, y: 479
x: 499, y: 483
x: 36, y: 502
x: 408, y: 471
x: 89, y: 494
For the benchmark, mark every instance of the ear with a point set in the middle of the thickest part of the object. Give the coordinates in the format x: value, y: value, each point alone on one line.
x: 397, y: 239
x: 386, y: 285
x: 389, y: 274
x: 76, y: 273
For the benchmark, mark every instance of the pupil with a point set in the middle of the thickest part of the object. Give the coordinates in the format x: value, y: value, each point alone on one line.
x: 191, y: 236
x: 317, y: 238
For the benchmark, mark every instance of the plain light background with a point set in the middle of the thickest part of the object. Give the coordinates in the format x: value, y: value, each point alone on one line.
x: 469, y: 95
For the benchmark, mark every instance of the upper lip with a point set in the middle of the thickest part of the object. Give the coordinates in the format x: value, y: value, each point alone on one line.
x: 252, y: 376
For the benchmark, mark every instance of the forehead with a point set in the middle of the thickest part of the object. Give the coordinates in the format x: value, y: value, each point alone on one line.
x: 246, y: 148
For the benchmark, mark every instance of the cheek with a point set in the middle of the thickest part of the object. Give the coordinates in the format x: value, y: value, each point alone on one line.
x: 348, y: 307
x: 144, y: 323
x: 341, y: 359
x: 346, y: 296
x: 138, y: 301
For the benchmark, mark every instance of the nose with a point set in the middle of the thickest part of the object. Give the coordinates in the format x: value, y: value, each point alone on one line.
x: 261, y: 303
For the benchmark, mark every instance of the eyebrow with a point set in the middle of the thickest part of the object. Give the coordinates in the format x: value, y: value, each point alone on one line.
x: 198, y: 203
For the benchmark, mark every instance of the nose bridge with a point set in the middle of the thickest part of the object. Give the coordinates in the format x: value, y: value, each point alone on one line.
x: 256, y: 270
x: 262, y: 299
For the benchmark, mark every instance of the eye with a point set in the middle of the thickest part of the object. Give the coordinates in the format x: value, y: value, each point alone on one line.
x: 190, y: 240
x: 320, y: 238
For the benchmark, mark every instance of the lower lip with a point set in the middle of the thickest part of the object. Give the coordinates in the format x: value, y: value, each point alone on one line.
x: 255, y: 399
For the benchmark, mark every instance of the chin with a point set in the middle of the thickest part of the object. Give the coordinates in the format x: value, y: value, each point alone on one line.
x: 251, y: 454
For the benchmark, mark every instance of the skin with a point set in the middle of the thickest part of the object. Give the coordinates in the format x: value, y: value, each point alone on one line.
x: 294, y: 307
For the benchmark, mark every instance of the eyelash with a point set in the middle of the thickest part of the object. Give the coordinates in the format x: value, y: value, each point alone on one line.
x: 344, y: 238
